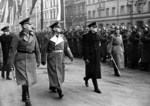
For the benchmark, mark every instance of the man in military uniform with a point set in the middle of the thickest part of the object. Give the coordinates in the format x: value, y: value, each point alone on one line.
x: 55, y: 46
x: 5, y: 40
x: 125, y: 37
x: 103, y: 39
x: 91, y: 52
x: 25, y: 56
x: 145, y: 58
x: 116, y: 49
x: 135, y: 49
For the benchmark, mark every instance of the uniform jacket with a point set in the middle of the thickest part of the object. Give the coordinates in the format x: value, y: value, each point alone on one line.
x: 25, y: 64
x: 91, y: 44
x: 55, y: 60
x: 116, y: 48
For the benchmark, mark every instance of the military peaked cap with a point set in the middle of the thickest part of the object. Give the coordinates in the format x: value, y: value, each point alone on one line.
x: 92, y: 24
x: 55, y: 24
x: 6, y: 28
x: 25, y: 21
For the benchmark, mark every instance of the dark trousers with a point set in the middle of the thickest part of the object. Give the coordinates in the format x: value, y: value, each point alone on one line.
x: 7, y: 73
x: 94, y: 80
x: 25, y: 93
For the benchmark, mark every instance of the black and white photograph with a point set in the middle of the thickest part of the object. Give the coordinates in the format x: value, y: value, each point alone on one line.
x: 74, y: 52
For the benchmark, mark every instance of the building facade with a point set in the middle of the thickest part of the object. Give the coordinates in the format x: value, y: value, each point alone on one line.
x: 50, y: 12
x: 75, y: 13
x: 118, y: 12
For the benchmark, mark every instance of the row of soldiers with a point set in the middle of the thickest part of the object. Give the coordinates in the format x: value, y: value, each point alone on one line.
x: 136, y: 44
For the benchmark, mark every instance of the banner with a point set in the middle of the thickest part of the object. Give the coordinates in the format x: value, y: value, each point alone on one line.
x: 19, y: 7
x: 60, y: 16
x: 33, y: 4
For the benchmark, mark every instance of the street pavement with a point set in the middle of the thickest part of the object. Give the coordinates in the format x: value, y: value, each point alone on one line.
x: 131, y: 89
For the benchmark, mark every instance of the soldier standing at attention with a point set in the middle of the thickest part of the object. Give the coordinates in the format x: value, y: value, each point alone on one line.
x: 5, y: 40
x: 25, y: 56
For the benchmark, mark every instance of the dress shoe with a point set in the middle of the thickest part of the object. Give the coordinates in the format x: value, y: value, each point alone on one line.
x: 86, y: 82
x: 117, y: 75
x: 24, y: 99
x: 60, y: 93
x: 8, y: 78
x: 28, y: 103
x: 97, y: 90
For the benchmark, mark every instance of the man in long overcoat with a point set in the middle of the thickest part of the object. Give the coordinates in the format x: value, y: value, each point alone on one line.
x: 5, y: 40
x: 25, y: 56
x: 55, y: 46
x: 116, y: 49
x: 135, y: 47
x: 91, y: 54
x: 145, y: 57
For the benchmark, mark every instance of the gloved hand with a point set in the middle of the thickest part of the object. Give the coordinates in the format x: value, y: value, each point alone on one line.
x: 43, y: 63
x: 87, y: 61
x: 38, y: 64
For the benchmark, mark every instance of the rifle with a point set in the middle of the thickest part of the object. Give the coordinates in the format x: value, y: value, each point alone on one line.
x: 111, y: 58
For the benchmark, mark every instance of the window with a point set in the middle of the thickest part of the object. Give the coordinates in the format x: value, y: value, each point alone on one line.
x: 93, y: 1
x: 113, y: 11
x: 75, y: 9
x: 78, y: 9
x: 93, y: 13
x: 129, y: 9
x: 89, y: 14
x: 122, y: 10
x: 83, y: 8
x: 113, y: 24
x: 107, y: 12
x: 122, y: 24
x: 89, y: 2
x: 100, y: 13
x: 149, y: 6
x: 140, y: 7
x: 107, y: 25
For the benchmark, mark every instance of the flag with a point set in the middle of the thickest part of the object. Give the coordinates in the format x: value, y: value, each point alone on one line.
x: 9, y: 11
x: 33, y: 4
x: 10, y: 8
x: 60, y: 15
x: 19, y: 5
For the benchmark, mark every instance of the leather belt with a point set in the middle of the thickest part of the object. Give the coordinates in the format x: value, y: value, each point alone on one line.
x: 56, y: 51
x: 28, y: 52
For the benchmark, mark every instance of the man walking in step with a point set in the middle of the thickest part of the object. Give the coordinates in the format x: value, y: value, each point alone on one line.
x: 55, y: 46
x: 5, y: 40
x: 91, y: 55
x: 25, y: 56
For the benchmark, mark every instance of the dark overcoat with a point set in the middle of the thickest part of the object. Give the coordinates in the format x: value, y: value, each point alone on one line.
x: 5, y: 43
x: 55, y: 60
x: 91, y: 51
x: 134, y: 53
x: 146, y: 48
x: 104, y: 40
x: 25, y: 64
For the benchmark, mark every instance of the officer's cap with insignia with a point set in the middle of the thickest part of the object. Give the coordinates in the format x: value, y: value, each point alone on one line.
x: 93, y: 24
x: 55, y: 24
x: 25, y: 21
x: 6, y: 28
